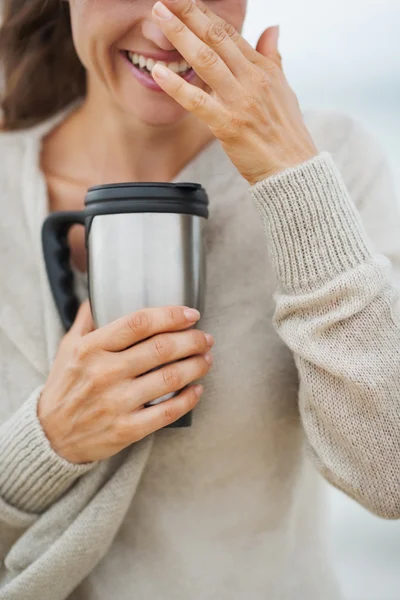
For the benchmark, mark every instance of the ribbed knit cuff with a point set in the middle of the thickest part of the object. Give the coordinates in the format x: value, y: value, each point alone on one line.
x: 314, y: 230
x: 32, y: 474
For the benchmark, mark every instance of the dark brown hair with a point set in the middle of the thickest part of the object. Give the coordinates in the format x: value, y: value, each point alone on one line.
x: 41, y: 70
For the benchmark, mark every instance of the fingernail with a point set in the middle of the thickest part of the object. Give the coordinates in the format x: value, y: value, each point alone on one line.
x: 162, y: 11
x: 210, y: 340
x: 191, y: 314
x: 160, y: 71
x: 209, y: 358
x: 198, y: 390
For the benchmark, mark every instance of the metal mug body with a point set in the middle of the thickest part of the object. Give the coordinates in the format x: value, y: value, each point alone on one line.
x: 145, y: 260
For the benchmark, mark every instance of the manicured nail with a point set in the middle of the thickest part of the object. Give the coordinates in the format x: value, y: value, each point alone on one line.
x: 198, y: 390
x: 160, y: 71
x: 162, y: 11
x: 210, y: 340
x: 191, y: 314
x: 209, y: 358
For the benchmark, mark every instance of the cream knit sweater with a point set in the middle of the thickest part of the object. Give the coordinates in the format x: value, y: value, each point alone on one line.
x: 303, y: 306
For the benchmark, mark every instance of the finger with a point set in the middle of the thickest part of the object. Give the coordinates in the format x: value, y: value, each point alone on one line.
x: 216, y: 35
x: 83, y: 323
x: 138, y: 326
x: 163, y: 349
x: 168, y: 379
x: 267, y: 45
x: 191, y: 97
x: 244, y: 46
x: 205, y: 60
x: 148, y: 420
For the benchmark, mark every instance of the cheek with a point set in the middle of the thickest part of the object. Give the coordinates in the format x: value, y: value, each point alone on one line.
x: 94, y: 29
x: 81, y: 18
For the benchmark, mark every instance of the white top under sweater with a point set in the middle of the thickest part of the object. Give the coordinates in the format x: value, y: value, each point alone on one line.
x: 303, y: 305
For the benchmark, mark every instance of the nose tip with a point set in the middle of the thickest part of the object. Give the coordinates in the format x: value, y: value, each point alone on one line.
x: 153, y: 33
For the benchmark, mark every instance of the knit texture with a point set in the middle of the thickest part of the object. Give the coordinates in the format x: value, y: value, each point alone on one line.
x: 301, y: 207
x: 32, y: 475
x: 303, y: 302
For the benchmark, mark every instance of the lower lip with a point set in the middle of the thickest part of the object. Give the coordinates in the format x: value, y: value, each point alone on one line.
x: 146, y: 79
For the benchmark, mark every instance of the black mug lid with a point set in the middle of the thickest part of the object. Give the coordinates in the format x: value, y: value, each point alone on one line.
x: 185, y: 197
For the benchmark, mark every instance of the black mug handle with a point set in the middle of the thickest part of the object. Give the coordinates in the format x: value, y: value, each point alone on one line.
x: 56, y: 256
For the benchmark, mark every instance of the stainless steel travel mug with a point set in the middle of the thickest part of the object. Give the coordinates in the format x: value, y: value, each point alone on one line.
x: 145, y: 245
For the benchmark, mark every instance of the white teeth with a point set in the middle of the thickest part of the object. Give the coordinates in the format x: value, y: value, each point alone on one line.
x: 148, y: 63
x: 174, y: 66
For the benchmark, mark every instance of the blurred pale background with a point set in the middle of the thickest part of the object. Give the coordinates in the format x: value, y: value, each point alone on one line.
x: 345, y: 55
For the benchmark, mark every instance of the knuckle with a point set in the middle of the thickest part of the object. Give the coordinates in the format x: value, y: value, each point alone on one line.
x: 180, y: 27
x: 203, y: 8
x: 198, y: 341
x: 214, y: 34
x: 231, y: 31
x: 279, y: 59
x: 171, y: 377
x: 82, y: 351
x: 264, y: 80
x: 125, y: 433
x: 271, y: 65
x: 251, y: 103
x: 236, y: 126
x: 170, y: 413
x: 104, y: 413
x: 207, y: 57
x: 187, y: 10
x: 162, y: 347
x: 198, y: 99
x: 173, y: 315
x: 73, y: 369
x: 98, y: 378
x: 138, y: 322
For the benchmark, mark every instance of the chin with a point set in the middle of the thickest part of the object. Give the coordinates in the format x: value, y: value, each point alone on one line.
x: 164, y: 111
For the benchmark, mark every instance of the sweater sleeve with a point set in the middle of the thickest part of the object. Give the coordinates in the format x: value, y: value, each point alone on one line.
x: 336, y: 253
x: 32, y: 475
x: 46, y: 554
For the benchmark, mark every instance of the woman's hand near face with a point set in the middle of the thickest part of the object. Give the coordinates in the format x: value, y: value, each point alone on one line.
x: 92, y: 405
x: 252, y: 110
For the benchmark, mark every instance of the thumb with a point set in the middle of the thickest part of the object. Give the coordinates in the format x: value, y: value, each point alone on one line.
x: 267, y: 45
x: 83, y: 323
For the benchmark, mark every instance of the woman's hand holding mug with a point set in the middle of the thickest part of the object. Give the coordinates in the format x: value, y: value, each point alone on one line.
x: 93, y: 404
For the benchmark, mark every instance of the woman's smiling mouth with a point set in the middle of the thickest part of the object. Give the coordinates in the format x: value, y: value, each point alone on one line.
x: 141, y: 67
x: 146, y: 64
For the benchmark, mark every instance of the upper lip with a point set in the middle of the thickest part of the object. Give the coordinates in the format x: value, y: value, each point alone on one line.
x: 167, y: 57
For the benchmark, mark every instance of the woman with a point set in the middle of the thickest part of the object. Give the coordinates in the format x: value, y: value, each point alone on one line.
x: 92, y: 506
